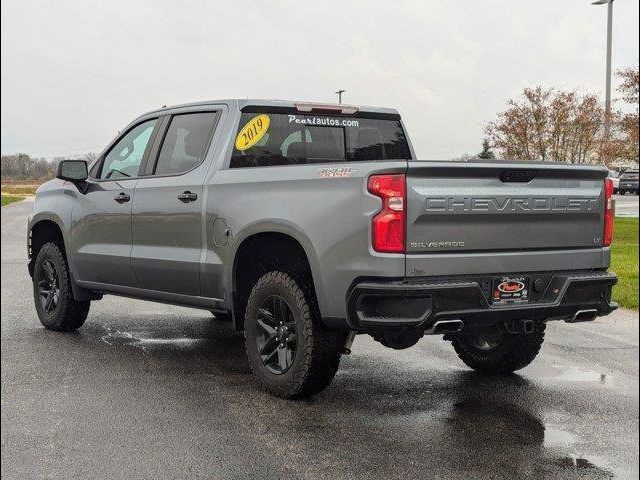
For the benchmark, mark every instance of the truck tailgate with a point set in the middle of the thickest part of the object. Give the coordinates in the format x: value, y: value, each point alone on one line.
x: 503, y: 207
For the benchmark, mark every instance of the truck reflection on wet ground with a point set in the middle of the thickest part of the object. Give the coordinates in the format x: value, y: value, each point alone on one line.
x: 444, y: 422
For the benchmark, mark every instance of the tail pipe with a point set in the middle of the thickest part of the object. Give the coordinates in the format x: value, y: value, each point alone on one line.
x: 445, y: 326
x: 583, y: 316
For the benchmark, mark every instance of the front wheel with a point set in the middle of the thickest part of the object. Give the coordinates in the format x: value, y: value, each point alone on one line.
x: 291, y: 352
x: 57, y: 308
x: 499, y: 352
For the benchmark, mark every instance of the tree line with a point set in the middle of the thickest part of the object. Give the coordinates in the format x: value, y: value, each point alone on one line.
x: 567, y: 126
x: 23, y: 167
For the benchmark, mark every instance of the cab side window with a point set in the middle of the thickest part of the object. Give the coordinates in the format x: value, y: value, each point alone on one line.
x: 185, y: 143
x: 123, y: 160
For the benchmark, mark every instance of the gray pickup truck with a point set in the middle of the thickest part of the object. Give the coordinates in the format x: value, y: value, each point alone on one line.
x: 306, y: 224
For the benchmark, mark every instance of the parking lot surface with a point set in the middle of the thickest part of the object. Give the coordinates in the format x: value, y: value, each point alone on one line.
x: 152, y: 391
x: 626, y: 205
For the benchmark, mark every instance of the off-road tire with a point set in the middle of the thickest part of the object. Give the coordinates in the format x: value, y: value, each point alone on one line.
x: 318, y: 348
x: 68, y: 314
x: 514, y: 352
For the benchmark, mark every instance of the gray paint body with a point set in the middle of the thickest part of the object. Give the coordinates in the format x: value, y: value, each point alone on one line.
x: 159, y: 248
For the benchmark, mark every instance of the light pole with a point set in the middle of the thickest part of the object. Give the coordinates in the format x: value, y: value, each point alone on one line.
x: 339, y: 93
x: 607, y: 101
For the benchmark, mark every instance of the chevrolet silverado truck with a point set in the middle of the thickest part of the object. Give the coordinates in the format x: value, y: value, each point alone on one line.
x: 306, y: 224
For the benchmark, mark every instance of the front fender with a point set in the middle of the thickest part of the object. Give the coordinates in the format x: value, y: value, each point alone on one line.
x: 54, y: 203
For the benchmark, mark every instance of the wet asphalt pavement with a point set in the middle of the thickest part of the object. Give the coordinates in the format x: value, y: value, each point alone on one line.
x: 627, y: 205
x: 146, y: 390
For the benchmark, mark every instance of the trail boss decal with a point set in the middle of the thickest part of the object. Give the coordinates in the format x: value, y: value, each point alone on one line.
x: 252, y: 132
x: 511, y: 290
x: 335, y: 172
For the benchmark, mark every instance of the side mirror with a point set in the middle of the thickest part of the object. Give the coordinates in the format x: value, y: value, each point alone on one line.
x: 72, y: 170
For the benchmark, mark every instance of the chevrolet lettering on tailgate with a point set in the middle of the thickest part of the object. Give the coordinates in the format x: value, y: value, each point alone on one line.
x: 499, y: 204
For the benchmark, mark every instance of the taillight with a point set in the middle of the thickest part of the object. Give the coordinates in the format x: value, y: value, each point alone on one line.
x: 609, y: 212
x: 388, y: 226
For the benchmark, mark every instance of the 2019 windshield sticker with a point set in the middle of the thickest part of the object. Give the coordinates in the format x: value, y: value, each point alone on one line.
x: 324, y: 121
x: 252, y: 132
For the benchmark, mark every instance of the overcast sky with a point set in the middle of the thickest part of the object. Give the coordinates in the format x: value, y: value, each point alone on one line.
x: 75, y: 72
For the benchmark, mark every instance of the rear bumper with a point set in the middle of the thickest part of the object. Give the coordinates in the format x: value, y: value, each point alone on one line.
x: 420, y: 303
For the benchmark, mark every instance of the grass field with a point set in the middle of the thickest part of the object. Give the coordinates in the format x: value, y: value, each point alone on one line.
x: 7, y: 199
x: 19, y: 189
x: 14, y: 193
x: 624, y: 261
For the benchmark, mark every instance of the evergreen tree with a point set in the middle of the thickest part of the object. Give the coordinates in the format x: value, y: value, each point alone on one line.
x: 486, y: 152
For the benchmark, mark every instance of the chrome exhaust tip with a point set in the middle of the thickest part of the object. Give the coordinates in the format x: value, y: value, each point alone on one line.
x: 445, y: 326
x: 583, y: 316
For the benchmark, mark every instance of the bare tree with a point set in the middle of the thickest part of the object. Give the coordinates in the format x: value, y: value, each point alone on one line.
x: 23, y: 167
x: 626, y: 123
x: 546, y: 124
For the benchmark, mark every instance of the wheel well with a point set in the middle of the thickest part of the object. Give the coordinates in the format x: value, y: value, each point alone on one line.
x: 41, y: 233
x: 260, y: 254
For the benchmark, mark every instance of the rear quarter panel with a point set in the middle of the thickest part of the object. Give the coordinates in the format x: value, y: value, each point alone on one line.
x: 329, y: 217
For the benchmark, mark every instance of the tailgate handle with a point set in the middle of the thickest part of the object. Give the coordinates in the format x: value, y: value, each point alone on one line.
x: 517, y: 176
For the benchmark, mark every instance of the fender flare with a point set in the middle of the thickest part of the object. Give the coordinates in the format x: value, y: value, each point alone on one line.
x: 284, y: 227
x: 79, y: 293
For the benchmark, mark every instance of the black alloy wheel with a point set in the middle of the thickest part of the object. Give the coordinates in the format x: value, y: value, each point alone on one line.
x: 291, y: 352
x: 276, y: 338
x: 49, y: 287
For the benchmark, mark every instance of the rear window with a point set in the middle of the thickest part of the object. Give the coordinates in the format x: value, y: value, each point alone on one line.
x: 266, y: 139
x: 185, y: 143
x: 633, y: 175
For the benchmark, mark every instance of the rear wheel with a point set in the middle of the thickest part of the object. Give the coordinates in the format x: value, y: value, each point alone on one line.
x: 499, y: 352
x: 56, y: 307
x: 291, y: 352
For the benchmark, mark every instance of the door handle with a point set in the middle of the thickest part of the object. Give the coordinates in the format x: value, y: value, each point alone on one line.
x: 187, y: 197
x: 122, y: 197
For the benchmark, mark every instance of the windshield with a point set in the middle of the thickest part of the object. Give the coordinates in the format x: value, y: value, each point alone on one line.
x: 266, y: 139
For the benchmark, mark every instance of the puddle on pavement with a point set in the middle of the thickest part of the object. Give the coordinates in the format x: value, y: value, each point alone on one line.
x: 583, y: 468
x: 502, y: 433
x: 554, y: 437
x: 138, y: 340
x: 181, y: 342
x: 580, y: 374
x: 117, y: 337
